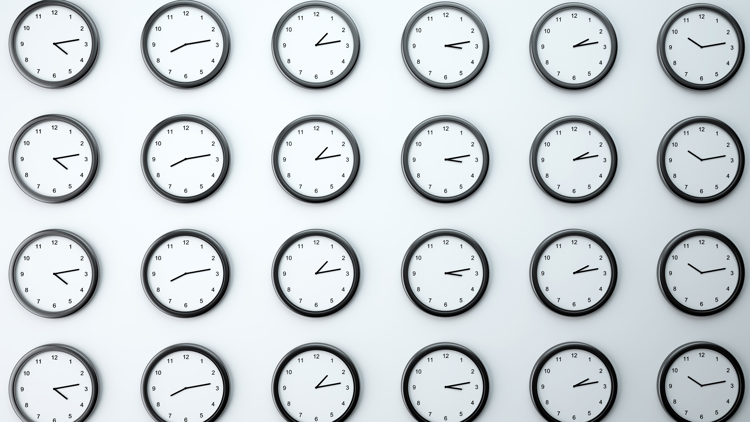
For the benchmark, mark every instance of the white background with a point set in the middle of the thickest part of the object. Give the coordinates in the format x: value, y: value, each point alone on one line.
x: 380, y: 329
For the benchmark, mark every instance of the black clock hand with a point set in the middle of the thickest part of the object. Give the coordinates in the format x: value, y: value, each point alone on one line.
x: 64, y: 272
x: 191, y: 158
x: 56, y: 44
x: 327, y: 271
x: 713, y: 271
x: 323, y: 158
x: 583, y: 43
x: 691, y: 266
x: 327, y: 385
x: 714, y: 45
x: 455, y: 159
x: 713, y: 383
x: 713, y: 158
x: 584, y: 383
x: 192, y: 386
x: 691, y: 40
x: 691, y: 153
x: 454, y: 386
x: 584, y: 270
x: 455, y: 44
x: 693, y: 380
x: 65, y: 386
x: 457, y: 271
x: 188, y: 273
x: 325, y: 43
x: 189, y: 43
x: 583, y: 156
x: 57, y: 159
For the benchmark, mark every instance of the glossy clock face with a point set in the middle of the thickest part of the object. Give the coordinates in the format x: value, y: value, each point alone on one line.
x: 316, y: 382
x: 315, y: 44
x: 316, y: 159
x: 445, y: 159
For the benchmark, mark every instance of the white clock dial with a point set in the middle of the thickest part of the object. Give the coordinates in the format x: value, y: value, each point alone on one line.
x: 573, y: 272
x: 573, y: 159
x: 185, y: 382
x: 574, y: 46
x: 445, y: 382
x: 316, y: 382
x: 54, y: 43
x: 315, y: 44
x: 185, y: 273
x: 54, y: 382
x: 316, y: 159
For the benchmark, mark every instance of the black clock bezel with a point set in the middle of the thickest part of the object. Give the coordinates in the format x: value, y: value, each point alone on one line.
x: 664, y: 370
x: 280, y: 62
x: 535, y: 39
x: 223, y: 143
x: 306, y: 348
x: 677, y: 241
x: 224, y: 52
x: 662, y: 53
x: 664, y: 146
x: 289, y: 243
x: 444, y: 346
x: 280, y: 142
x: 186, y: 347
x: 534, y: 156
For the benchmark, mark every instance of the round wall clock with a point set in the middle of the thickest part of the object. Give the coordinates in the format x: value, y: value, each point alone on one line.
x: 185, y: 158
x: 185, y: 273
x: 445, y: 159
x: 445, y: 382
x: 701, y: 46
x: 315, y: 273
x: 185, y: 44
x: 573, y: 159
x: 53, y: 273
x: 316, y: 382
x: 445, y: 273
x: 701, y: 382
x: 315, y: 159
x: 573, y: 272
x: 445, y: 45
x: 54, y: 383
x: 185, y: 382
x: 701, y: 272
x: 573, y: 46
x: 701, y: 159
x: 573, y: 381
x: 315, y: 44
x: 54, y: 43
x: 53, y: 158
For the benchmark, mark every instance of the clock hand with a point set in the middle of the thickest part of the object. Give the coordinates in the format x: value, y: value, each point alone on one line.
x: 455, y: 159
x: 64, y: 272
x: 691, y: 379
x: 456, y: 44
x: 691, y: 40
x: 713, y: 158
x: 584, y: 270
x: 323, y: 158
x: 583, y: 43
x: 713, y: 383
x: 327, y: 385
x: 691, y: 266
x: 57, y: 159
x: 454, y: 386
x: 188, y: 273
x: 457, y: 271
x: 714, y: 45
x: 584, y: 383
x: 56, y: 44
x: 327, y: 271
x: 713, y: 271
x: 691, y: 153
x: 65, y: 386
x: 192, y: 386
x: 325, y: 43
x: 583, y: 156
x: 190, y: 158
x: 189, y: 43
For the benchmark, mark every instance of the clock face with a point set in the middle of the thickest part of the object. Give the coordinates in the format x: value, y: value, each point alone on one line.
x: 316, y: 159
x: 701, y: 272
x: 573, y: 46
x: 701, y: 159
x: 185, y: 158
x: 316, y: 273
x: 54, y: 43
x: 316, y: 382
x: 701, y: 46
x: 573, y: 381
x: 445, y: 159
x: 54, y: 382
x: 54, y: 273
x: 445, y: 273
x: 701, y: 382
x: 573, y: 159
x: 54, y: 158
x: 315, y: 44
x: 573, y: 272
x: 185, y: 382
x: 185, y: 44
x: 445, y: 382
x: 185, y: 273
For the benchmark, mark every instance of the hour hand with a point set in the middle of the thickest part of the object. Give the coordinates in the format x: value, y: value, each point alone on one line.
x: 584, y: 156
x: 456, y: 45
x: 584, y: 43
x: 57, y: 44
x: 456, y: 159
x: 455, y: 386
x: 585, y: 269
x: 326, y: 271
x: 57, y: 159
x: 57, y: 274
x: 319, y: 43
x: 56, y: 389
x: 457, y: 271
x: 585, y: 383
x: 320, y: 157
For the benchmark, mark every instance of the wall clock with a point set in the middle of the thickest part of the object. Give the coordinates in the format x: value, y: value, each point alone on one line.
x: 701, y: 382
x: 315, y: 44
x: 54, y: 158
x: 185, y: 273
x: 701, y: 272
x: 573, y: 46
x: 53, y: 273
x: 315, y: 159
x: 445, y: 159
x: 701, y: 159
x: 54, y: 43
x: 185, y: 158
x: 54, y: 383
x: 445, y: 382
x: 573, y: 272
x: 185, y: 382
x: 315, y: 273
x: 445, y: 273
x: 316, y: 382
x: 185, y: 44
x: 573, y: 159
x: 445, y: 45
x: 701, y: 46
